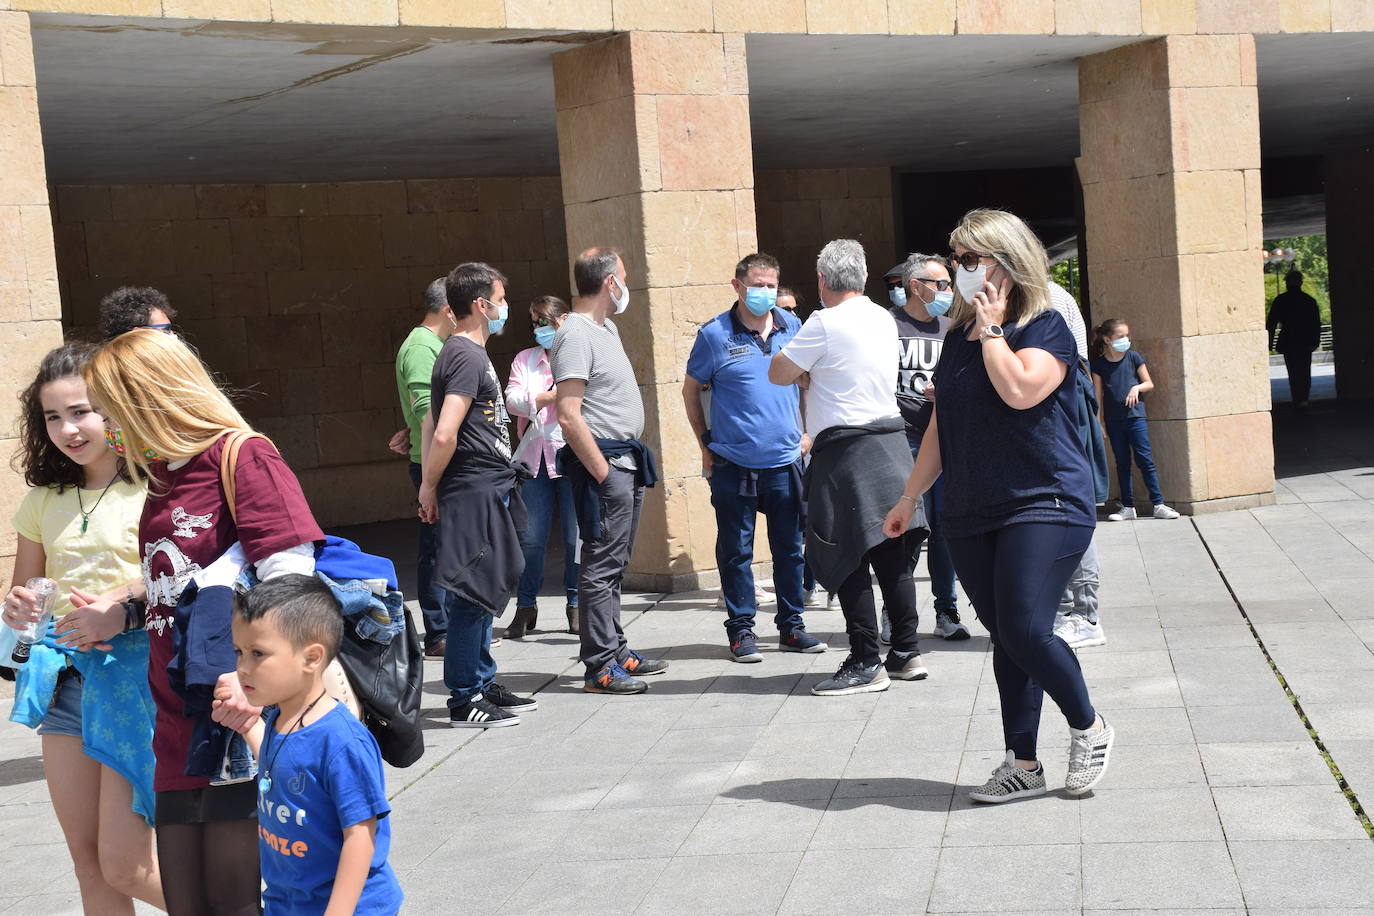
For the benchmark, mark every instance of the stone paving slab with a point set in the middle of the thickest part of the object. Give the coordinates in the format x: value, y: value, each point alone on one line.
x: 729, y: 788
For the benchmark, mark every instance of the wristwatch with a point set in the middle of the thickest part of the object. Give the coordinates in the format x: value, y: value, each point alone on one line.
x: 992, y: 330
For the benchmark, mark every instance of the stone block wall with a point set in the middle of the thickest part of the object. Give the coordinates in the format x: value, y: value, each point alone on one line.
x: 29, y: 309
x: 1170, y: 135
x: 799, y: 210
x: 298, y: 295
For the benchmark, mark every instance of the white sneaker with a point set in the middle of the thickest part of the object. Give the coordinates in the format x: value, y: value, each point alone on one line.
x: 814, y: 599
x: 1010, y: 782
x: 1163, y: 511
x: 1122, y: 515
x: 1089, y: 753
x: 1065, y: 628
x: 832, y: 603
x: 1082, y: 633
x: 761, y: 597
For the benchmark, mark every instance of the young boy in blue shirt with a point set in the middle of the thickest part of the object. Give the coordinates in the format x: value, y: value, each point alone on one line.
x: 322, y: 810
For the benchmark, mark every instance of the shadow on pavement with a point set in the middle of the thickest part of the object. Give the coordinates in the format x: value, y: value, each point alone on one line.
x: 913, y: 794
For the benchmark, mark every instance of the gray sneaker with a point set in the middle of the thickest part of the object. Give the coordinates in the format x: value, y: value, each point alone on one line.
x: 853, y: 678
x: 1010, y: 782
x: 1089, y: 752
x: 906, y: 667
x: 948, y: 626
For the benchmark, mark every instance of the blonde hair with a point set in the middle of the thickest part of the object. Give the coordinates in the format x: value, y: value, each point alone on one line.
x: 1007, y: 238
x: 154, y: 386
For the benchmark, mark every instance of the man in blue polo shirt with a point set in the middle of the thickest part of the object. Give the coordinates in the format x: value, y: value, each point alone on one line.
x: 752, y: 454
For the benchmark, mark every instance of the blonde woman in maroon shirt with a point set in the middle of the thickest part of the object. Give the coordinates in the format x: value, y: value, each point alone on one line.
x: 173, y: 419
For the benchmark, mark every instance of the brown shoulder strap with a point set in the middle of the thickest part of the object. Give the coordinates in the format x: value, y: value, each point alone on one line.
x: 229, y: 462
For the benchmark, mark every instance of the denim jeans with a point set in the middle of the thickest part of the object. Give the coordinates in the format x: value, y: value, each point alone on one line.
x: 430, y: 596
x: 938, y: 563
x: 469, y: 668
x: 736, y: 516
x: 541, y: 494
x: 1131, y: 436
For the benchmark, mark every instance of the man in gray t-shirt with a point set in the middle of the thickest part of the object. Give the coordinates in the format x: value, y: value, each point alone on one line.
x: 592, y: 352
x: 602, y: 416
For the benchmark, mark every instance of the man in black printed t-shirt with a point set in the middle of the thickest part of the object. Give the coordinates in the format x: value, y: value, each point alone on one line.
x: 468, y: 480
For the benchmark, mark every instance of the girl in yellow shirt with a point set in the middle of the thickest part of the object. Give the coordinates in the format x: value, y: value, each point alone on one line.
x: 78, y: 525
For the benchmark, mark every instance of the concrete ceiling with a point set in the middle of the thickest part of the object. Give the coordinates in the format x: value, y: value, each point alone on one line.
x: 180, y: 101
x: 145, y: 100
x: 975, y: 102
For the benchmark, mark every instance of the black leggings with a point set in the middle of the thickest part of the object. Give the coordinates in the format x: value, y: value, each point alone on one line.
x: 210, y: 868
x: 894, y: 563
x: 1015, y: 577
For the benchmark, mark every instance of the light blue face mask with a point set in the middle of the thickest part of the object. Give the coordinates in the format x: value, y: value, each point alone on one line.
x: 1121, y: 344
x: 544, y: 336
x: 760, y: 299
x: 942, y: 303
x: 495, y: 325
x: 897, y: 296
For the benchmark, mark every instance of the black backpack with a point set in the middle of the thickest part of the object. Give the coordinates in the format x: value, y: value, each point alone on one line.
x: 388, y: 679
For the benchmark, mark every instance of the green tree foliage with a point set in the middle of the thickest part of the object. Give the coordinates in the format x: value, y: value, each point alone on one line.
x: 1310, y: 259
x: 1065, y: 273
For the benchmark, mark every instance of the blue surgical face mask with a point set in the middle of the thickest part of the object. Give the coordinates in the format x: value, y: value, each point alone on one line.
x: 495, y: 325
x: 1121, y: 344
x: 897, y: 296
x: 760, y: 299
x: 544, y: 336
x: 942, y: 303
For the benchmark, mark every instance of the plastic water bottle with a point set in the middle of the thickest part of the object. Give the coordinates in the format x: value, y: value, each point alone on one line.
x: 46, y: 592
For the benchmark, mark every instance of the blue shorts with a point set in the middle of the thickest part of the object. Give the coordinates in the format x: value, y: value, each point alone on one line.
x: 64, y: 713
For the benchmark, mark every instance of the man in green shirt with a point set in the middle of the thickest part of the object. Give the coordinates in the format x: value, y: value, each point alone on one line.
x: 414, y: 366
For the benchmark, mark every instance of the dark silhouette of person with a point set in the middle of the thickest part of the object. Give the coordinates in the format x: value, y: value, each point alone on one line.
x: 1299, y: 334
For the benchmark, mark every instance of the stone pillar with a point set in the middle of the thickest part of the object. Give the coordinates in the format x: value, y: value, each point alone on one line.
x: 1171, y: 197
x: 654, y: 150
x: 1350, y: 253
x: 30, y: 308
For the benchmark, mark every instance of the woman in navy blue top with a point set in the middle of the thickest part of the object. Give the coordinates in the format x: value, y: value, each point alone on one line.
x: 1019, y: 504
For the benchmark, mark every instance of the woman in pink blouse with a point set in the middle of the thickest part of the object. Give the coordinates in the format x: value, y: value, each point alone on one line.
x: 529, y: 398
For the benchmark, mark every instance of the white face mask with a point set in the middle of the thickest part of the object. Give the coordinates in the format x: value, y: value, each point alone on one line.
x: 970, y: 282
x: 622, y: 301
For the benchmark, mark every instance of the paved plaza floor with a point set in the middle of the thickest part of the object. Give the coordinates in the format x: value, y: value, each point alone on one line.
x: 730, y: 789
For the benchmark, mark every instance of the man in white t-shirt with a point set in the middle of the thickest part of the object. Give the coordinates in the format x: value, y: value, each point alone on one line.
x: 846, y: 355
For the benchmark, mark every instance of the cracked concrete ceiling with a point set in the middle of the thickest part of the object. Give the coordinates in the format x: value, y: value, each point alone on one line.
x: 145, y: 100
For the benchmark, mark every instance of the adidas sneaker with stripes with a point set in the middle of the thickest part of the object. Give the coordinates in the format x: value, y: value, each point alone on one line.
x: 479, y: 712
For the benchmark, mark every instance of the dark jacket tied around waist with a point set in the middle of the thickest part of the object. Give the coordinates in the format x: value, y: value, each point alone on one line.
x: 482, y: 515
x: 586, y: 495
x: 856, y: 476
